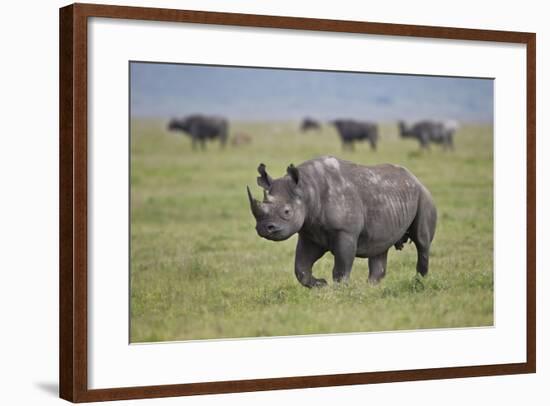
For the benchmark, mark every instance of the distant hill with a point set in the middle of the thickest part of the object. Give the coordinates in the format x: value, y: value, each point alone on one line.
x: 163, y: 90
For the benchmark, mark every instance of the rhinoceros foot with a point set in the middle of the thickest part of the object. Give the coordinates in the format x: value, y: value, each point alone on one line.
x: 318, y: 283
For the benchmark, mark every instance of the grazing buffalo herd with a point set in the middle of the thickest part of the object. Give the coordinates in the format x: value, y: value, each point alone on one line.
x: 429, y: 131
x: 351, y: 131
x: 309, y: 124
x: 201, y: 128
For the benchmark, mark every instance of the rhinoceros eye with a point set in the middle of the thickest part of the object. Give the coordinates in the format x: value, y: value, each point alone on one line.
x: 286, y: 212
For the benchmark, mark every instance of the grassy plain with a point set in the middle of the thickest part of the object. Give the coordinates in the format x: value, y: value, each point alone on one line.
x: 198, y: 269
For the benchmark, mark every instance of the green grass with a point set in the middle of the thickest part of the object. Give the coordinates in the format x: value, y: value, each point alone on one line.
x: 198, y: 269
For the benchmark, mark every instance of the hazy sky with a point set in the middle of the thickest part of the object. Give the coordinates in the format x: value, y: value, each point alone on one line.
x: 167, y: 90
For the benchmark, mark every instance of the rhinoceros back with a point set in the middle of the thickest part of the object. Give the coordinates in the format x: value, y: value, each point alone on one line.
x: 378, y: 203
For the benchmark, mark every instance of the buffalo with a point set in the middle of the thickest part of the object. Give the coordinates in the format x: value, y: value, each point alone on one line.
x: 309, y: 124
x: 429, y: 131
x: 348, y: 209
x: 201, y: 129
x: 352, y: 130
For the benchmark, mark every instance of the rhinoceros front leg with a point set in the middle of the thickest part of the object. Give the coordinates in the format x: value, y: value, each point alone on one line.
x: 344, y: 250
x: 377, y: 267
x: 307, y: 252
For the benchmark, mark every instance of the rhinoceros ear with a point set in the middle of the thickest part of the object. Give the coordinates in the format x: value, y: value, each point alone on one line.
x: 264, y: 180
x: 293, y: 172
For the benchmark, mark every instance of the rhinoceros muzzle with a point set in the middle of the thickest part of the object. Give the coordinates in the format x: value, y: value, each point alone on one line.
x: 269, y: 231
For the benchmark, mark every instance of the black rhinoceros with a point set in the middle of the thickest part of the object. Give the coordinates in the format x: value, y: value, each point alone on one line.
x: 348, y: 209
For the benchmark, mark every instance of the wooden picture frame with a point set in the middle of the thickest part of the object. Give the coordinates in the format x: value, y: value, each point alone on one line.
x: 73, y: 209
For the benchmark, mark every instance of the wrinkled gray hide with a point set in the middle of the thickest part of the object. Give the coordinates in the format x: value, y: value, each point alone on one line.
x: 201, y: 128
x: 347, y: 209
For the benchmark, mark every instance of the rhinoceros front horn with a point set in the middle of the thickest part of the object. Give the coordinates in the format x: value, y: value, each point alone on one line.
x: 255, y: 205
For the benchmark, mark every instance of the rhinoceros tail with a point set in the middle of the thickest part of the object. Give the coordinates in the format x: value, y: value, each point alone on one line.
x: 401, y: 242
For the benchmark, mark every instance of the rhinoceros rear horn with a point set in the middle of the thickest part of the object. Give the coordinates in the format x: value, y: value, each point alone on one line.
x: 255, y: 205
x: 264, y: 180
x: 294, y: 174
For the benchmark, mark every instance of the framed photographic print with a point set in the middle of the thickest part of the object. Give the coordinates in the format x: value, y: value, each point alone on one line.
x: 256, y: 202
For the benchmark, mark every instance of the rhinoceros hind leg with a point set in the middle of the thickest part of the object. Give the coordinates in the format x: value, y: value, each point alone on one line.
x: 423, y: 260
x: 377, y: 267
x: 422, y: 233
